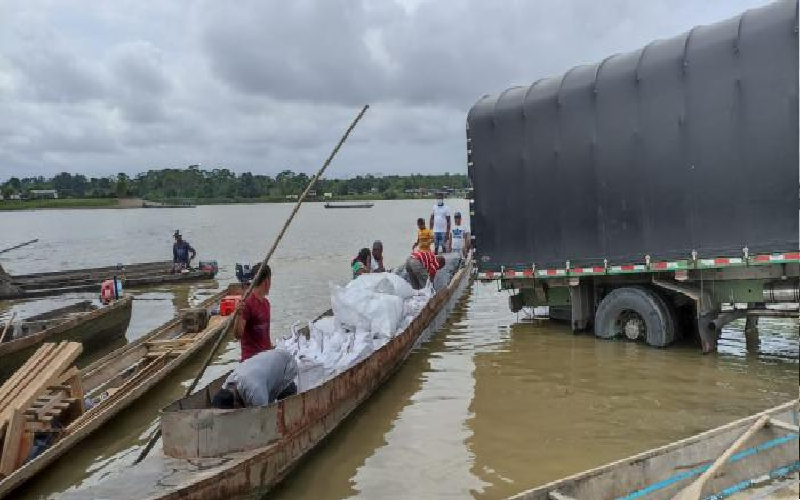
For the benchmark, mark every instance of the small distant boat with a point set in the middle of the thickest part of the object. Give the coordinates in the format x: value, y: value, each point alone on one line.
x: 93, y: 326
x: 179, y: 204
x: 349, y: 205
x: 765, y: 462
x: 88, y: 280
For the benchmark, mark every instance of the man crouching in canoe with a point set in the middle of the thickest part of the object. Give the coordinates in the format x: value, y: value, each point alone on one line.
x: 262, y: 379
x: 252, y: 325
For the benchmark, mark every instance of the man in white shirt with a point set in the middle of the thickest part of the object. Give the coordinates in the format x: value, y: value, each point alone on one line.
x: 459, y: 237
x: 440, y: 223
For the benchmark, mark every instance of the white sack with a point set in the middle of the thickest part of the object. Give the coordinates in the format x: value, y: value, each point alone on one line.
x: 388, y: 283
x: 367, y: 311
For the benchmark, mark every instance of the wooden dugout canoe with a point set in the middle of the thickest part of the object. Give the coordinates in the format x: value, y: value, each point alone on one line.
x: 88, y: 280
x: 349, y: 205
x: 83, y: 322
x: 767, y: 461
x: 120, y: 378
x: 219, y: 454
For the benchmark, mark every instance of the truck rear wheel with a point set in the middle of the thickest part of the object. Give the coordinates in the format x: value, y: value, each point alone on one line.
x: 635, y: 313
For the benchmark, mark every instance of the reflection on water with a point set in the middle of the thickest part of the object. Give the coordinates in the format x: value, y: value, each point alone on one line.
x: 498, y: 406
x: 489, y: 407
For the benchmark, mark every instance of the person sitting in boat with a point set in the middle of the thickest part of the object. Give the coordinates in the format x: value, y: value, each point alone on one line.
x: 252, y: 327
x: 421, y: 266
x: 377, y: 258
x: 424, y: 237
x: 180, y: 253
x: 263, y: 379
x: 361, y: 264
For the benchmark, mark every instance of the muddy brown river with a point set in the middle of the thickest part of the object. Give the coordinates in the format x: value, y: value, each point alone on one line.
x: 492, y: 405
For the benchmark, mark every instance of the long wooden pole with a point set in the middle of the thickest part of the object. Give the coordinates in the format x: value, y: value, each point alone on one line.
x: 694, y: 490
x: 261, y: 270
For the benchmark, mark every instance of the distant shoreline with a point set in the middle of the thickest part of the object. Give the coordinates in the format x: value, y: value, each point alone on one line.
x: 132, y: 203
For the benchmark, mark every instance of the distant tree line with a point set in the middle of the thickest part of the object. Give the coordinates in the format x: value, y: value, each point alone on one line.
x: 193, y: 183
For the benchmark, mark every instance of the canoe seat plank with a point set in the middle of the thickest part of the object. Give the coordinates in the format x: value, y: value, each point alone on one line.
x: 780, y: 424
x: 557, y: 495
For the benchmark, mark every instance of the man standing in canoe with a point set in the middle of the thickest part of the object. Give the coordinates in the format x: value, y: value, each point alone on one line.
x: 180, y: 253
x: 252, y: 327
x: 440, y: 224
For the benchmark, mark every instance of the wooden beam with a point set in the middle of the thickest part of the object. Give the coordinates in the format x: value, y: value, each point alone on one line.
x: 11, y: 443
x: 780, y: 424
x: 37, y: 381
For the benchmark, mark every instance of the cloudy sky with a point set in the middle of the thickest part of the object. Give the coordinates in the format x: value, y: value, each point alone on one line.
x: 101, y: 87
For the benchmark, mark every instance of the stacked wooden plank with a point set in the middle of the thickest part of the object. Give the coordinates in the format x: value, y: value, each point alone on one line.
x: 45, y: 389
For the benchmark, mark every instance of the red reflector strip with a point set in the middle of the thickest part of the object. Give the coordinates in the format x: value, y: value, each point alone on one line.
x: 527, y: 273
x: 659, y: 265
x: 627, y: 267
x: 577, y: 270
x: 792, y: 256
x: 762, y: 258
x: 552, y: 272
x: 598, y: 269
x: 510, y: 274
x: 722, y: 260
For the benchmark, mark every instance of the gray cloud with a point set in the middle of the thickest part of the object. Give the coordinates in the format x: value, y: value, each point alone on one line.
x: 262, y: 86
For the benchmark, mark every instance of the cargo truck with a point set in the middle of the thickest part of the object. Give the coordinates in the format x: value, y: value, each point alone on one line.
x: 653, y: 195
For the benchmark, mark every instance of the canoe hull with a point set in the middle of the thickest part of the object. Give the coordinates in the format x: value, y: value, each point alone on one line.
x: 88, y: 280
x: 662, y: 472
x: 297, y: 424
x: 106, y: 368
x: 94, y: 330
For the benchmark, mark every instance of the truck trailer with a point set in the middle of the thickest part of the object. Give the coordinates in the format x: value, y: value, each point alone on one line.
x: 653, y: 195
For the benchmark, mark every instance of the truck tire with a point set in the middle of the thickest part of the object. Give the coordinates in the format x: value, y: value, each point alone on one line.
x: 636, y: 313
x: 673, y: 328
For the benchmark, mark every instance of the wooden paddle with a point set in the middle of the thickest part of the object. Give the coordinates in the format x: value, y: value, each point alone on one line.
x: 8, y: 325
x: 262, y: 269
x: 694, y: 490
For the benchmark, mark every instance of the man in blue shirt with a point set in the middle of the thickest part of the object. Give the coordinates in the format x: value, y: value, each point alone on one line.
x: 180, y: 253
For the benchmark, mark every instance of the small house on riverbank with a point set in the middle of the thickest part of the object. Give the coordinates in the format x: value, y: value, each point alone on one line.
x: 41, y: 194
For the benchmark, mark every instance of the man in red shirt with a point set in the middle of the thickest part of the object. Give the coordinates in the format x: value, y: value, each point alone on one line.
x: 422, y: 265
x: 252, y: 329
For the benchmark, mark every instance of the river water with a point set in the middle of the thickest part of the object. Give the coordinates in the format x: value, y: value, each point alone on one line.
x: 492, y: 405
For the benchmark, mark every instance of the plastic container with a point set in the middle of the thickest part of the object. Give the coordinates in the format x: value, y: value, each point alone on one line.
x: 228, y: 304
x: 208, y: 266
x: 107, y: 291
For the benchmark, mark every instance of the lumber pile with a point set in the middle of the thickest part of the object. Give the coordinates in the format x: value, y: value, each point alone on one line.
x: 40, y: 397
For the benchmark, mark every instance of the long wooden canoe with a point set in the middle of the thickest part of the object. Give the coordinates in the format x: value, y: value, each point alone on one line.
x: 83, y: 322
x: 88, y: 280
x: 768, y: 461
x: 219, y: 454
x: 120, y: 378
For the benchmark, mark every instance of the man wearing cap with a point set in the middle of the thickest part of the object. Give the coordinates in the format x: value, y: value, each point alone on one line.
x: 459, y: 237
x: 440, y: 224
x: 180, y: 253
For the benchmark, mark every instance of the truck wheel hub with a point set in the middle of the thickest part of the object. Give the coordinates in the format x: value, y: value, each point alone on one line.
x: 633, y: 326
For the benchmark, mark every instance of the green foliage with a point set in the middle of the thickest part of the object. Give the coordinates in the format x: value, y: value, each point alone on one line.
x: 222, y: 185
x: 57, y: 203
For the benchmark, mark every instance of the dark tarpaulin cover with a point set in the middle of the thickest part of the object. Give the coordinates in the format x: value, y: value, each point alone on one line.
x: 688, y: 144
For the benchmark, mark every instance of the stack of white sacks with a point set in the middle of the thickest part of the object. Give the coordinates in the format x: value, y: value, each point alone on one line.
x: 367, y: 313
